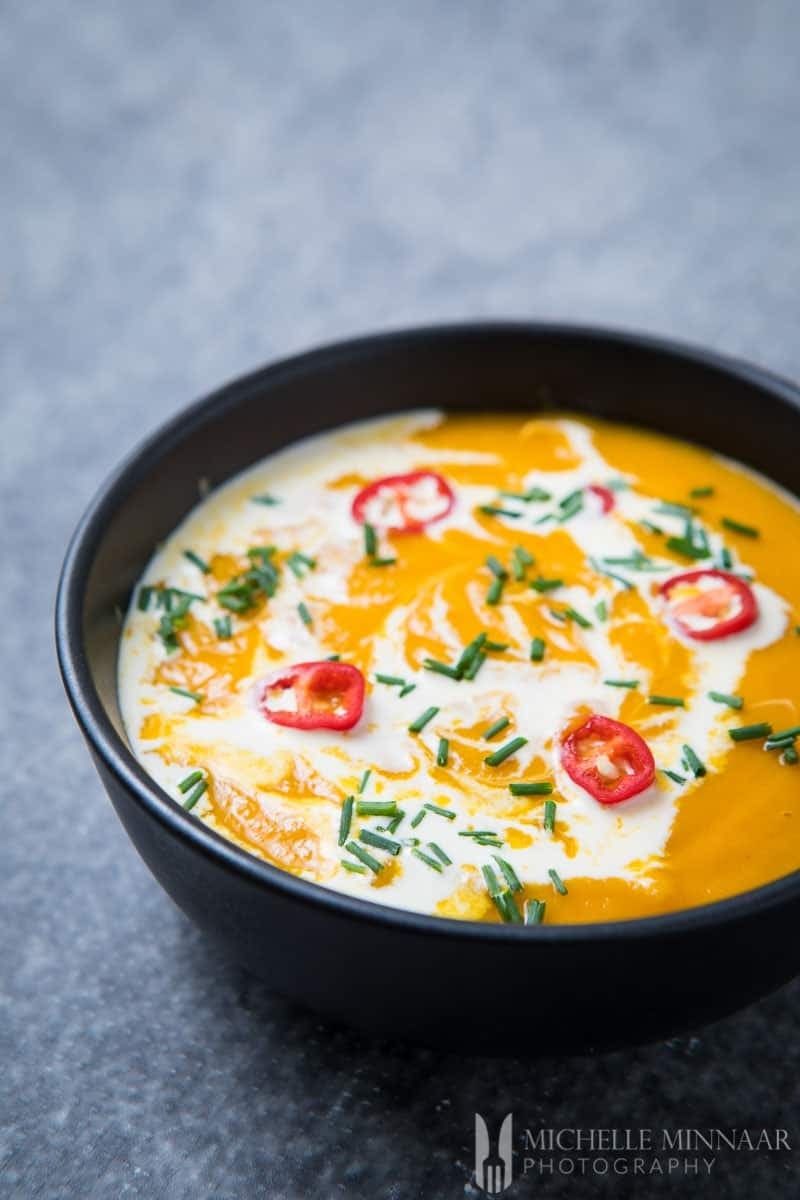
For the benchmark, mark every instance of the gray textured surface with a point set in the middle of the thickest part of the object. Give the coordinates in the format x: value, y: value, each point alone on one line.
x: 188, y: 190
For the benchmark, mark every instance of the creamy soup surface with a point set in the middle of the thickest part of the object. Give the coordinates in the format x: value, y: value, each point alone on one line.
x: 487, y: 667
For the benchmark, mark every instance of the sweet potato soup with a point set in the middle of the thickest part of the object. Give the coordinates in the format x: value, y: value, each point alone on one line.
x: 491, y: 667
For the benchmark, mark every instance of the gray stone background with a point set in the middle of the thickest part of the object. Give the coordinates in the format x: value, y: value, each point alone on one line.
x: 188, y: 189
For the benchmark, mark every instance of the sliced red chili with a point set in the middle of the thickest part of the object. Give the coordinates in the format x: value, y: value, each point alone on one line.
x: 604, y: 495
x: 313, y: 695
x: 608, y: 759
x: 708, y: 604
x: 404, y: 503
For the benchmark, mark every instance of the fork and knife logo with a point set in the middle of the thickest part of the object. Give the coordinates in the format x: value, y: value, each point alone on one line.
x: 493, y: 1172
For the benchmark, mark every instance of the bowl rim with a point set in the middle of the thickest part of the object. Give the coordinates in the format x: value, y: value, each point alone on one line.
x: 118, y: 758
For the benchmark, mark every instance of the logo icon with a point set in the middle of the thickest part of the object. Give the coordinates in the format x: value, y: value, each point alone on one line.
x: 493, y: 1171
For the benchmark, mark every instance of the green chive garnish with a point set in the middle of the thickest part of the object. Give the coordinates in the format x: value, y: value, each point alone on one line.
x: 470, y: 652
x: 190, y: 781
x: 724, y: 698
x: 789, y: 756
x: 496, y: 567
x: 197, y: 560
x: 345, y: 820
x: 534, y: 912
x: 495, y: 647
x: 774, y: 743
x: 443, y: 752
x: 623, y: 683
x: 144, y: 597
x: 299, y: 563
x: 355, y: 868
x: 395, y: 821
x: 364, y: 856
x: 370, y: 541
x: 549, y: 816
x: 682, y: 546
x: 426, y: 858
x: 364, y: 781
x: 737, y: 527
x: 500, y: 756
x: 578, y: 618
x: 407, y: 689
x: 223, y: 627
x: 725, y: 558
x: 534, y: 493
x: 693, y: 763
x: 601, y: 570
x: 571, y: 505
x: 498, y: 727
x: 520, y: 561
x: 746, y: 733
x: 674, y: 510
x: 376, y: 808
x: 651, y: 528
x: 495, y: 591
x: 558, y: 882
x: 379, y: 841
x: 475, y: 665
x: 601, y: 609
x: 390, y: 680
x: 700, y: 493
x: 423, y: 719
x: 492, y: 510
x: 667, y: 701
x: 440, y: 668
x: 305, y: 615
x: 265, y: 499
x: 538, y: 648
x: 489, y: 876
x: 673, y: 775
x: 332, y: 657
x: 793, y: 731
x: 546, y: 585
x: 440, y: 812
x: 418, y: 819
x: 198, y: 697
x: 381, y: 562
x: 195, y: 795
x: 509, y: 874
x: 440, y: 854
x: 541, y: 788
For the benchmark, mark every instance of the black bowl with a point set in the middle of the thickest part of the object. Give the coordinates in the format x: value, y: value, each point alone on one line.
x: 474, y: 986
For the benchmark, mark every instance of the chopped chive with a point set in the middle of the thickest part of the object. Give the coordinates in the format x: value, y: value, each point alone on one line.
x: 305, y: 615
x: 355, y: 868
x: 195, y: 795
x: 558, y: 882
x: 495, y: 647
x: 440, y: 854
x: 198, y: 697
x: 381, y: 562
x: 667, y: 701
x: 197, y: 560
x: 549, y: 816
x: 440, y: 668
x: 379, y: 842
x: 601, y: 570
x: 500, y: 756
x: 370, y: 541
x: 261, y: 553
x: 390, y: 680
x: 774, y: 743
x: 578, y: 618
x: 418, y: 819
x: 440, y: 812
x: 443, y: 752
x: 395, y: 821
x: 495, y: 591
x: 543, y: 520
x: 364, y: 856
x: 559, y: 616
x: 407, y: 689
x: 571, y: 505
x: 651, y: 528
x: 492, y: 510
x: 144, y: 597
x: 423, y: 719
x: 546, y: 585
x: 332, y: 657
x: 376, y: 808
x: 475, y: 665
x: 541, y: 788
x: 498, y: 727
x: 507, y: 907
x: 534, y: 912
x: 470, y: 652
x: 477, y: 833
x: 345, y: 820
x: 793, y: 731
x: 724, y: 698
x: 737, y: 527
x: 674, y: 510
x: 534, y: 493
x: 364, y: 781
x: 265, y: 498
x: 521, y: 559
x: 725, y: 558
x: 190, y: 781
x: 623, y: 683
x: 686, y: 548
x: 693, y: 763
x: 509, y: 874
x: 299, y: 563
x: 746, y: 733
x: 789, y: 757
x: 538, y: 648
x: 223, y: 628
x: 700, y: 493
x: 601, y: 609
x: 496, y: 567
x: 489, y: 876
x: 427, y: 859
x: 673, y: 775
